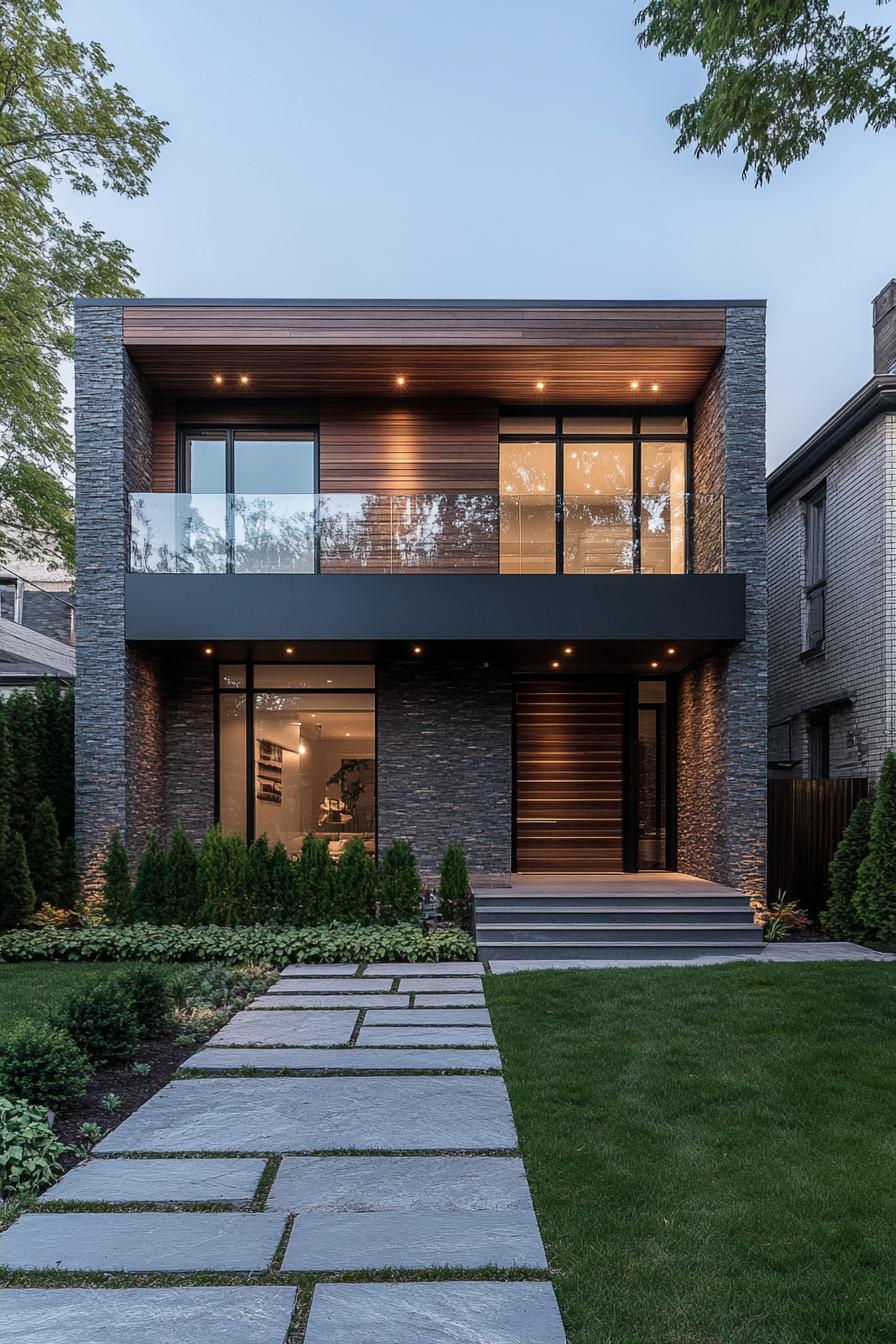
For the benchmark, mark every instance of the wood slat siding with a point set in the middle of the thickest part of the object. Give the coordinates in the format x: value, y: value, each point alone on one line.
x: 569, y: 776
x: 806, y: 819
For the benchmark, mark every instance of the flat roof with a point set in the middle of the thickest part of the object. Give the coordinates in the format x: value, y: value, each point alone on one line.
x: 421, y: 303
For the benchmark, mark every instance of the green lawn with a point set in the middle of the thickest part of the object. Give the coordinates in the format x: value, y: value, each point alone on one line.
x: 34, y: 988
x: 712, y: 1151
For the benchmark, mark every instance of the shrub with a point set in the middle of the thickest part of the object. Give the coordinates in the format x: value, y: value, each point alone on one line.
x: 17, y: 899
x: 22, y: 722
x: 840, y: 918
x: 875, y: 897
x: 118, y: 896
x: 180, y: 899
x: 258, y: 882
x: 356, y: 885
x: 45, y: 855
x: 29, y: 1150
x: 70, y: 883
x: 6, y: 773
x: 102, y: 1022
x: 149, y: 886
x: 398, y: 885
x: 221, y: 877
x: 150, y: 997
x: 316, y: 881
x: 454, y: 886
x: 283, y: 879
x: 42, y: 1065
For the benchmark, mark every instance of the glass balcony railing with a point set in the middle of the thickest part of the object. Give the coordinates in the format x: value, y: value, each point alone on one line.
x: 428, y: 533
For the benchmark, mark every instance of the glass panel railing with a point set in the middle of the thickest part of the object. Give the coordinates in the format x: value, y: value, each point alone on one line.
x: 528, y: 533
x: 273, y: 534
x: 179, y: 534
x: 598, y: 534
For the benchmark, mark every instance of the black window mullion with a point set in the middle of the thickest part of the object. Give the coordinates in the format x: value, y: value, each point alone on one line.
x: 559, y: 496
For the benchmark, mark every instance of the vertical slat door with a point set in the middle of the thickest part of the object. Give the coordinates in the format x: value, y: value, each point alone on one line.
x: 569, y: 772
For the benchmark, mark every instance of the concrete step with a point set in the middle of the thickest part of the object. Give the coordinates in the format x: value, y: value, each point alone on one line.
x: 613, y: 900
x: 705, y: 934
x: 602, y: 951
x: 557, y: 913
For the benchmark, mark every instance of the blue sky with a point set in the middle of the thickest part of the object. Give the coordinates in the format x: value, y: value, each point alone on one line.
x: 490, y: 149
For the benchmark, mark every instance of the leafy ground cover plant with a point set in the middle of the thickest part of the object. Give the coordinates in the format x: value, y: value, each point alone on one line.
x: 42, y: 1065
x: 30, y: 1153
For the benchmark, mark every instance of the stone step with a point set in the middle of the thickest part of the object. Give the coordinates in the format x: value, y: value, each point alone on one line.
x: 563, y: 914
x: 564, y: 950
x: 613, y: 900
x: 706, y: 934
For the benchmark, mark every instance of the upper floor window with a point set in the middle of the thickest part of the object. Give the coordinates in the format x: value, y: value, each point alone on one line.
x: 593, y: 493
x: 247, y: 461
x: 815, y: 517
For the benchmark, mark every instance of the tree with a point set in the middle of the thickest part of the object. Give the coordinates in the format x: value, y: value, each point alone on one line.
x: 7, y: 773
x: 398, y: 884
x: 840, y: 917
x: 22, y: 724
x: 149, y: 884
x: 180, y: 896
x: 118, y: 896
x: 221, y: 877
x: 355, y: 884
x: 316, y: 880
x: 17, y: 899
x: 780, y: 74
x: 63, y: 124
x: 284, y: 886
x: 258, y: 881
x: 875, y: 898
x: 454, y: 885
x: 45, y: 855
x: 54, y: 736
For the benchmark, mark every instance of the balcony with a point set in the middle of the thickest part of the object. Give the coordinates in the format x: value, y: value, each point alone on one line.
x: 426, y: 534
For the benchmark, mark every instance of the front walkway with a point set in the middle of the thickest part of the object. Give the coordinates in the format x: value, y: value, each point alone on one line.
x: 384, y: 1141
x: 772, y: 953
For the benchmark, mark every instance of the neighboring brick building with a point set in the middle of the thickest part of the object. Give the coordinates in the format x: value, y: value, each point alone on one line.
x: 832, y: 583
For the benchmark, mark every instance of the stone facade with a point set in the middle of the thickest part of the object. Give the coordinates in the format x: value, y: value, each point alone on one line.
x: 444, y: 764
x: 189, y: 770
x: 853, y: 673
x: 722, y: 699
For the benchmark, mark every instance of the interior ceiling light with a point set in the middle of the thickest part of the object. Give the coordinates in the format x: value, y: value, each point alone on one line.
x: 555, y: 664
x: 539, y: 386
x: 654, y: 664
x: 654, y: 387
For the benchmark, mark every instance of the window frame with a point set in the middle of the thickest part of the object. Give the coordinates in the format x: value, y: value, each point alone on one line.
x: 814, y: 505
x: 229, y: 431
x: 818, y: 746
x: 635, y: 438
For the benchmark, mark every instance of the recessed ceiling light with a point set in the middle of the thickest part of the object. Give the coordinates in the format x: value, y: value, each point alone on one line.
x: 244, y: 378
x: 670, y: 651
x: 348, y: 734
x: 400, y: 380
x: 634, y: 385
x: 417, y: 648
x: 654, y: 664
x: 218, y: 379
x: 568, y: 649
x: 555, y: 664
x: 539, y: 386
x: 209, y: 650
x: 654, y: 387
x: 289, y: 648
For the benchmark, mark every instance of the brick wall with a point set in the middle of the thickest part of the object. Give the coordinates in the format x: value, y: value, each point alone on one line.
x: 444, y: 760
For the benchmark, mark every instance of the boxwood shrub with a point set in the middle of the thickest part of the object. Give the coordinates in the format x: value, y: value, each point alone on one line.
x: 274, y: 943
x: 42, y: 1065
x: 102, y: 1022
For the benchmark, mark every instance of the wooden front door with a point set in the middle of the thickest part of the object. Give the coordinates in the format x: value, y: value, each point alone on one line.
x: 569, y: 776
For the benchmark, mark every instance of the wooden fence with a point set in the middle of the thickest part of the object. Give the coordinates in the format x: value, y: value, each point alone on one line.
x: 806, y: 818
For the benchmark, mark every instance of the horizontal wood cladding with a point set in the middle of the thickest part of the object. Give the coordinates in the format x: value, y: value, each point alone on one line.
x: 389, y: 447
x: 169, y: 413
x: 569, y: 776
x: 418, y: 325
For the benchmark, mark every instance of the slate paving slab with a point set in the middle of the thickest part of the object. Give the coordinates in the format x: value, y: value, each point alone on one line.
x: 434, y: 1313
x: 299, y: 1028
x: 421, y: 1239
x: 161, y: 1180
x: 336, y: 1061
x: 145, y: 1315
x: 277, y: 1115
x: 430, y: 985
x: 469, y: 1036
x: 426, y: 968
x: 309, y: 970
x: 448, y: 1000
x: 333, y: 986
x: 383, y: 1184
x: 428, y: 1017
x: 173, y: 1242
x: 287, y: 1001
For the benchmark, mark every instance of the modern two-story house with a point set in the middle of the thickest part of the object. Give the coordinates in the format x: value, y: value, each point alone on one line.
x: 482, y: 572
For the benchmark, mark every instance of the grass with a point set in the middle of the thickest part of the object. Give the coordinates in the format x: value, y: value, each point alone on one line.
x: 34, y: 989
x: 712, y: 1151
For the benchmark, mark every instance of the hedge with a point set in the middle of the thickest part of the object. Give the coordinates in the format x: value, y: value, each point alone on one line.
x: 278, y: 944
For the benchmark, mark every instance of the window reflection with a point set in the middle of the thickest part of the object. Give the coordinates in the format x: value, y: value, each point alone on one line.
x: 528, y: 508
x: 597, y: 508
x: 662, y: 508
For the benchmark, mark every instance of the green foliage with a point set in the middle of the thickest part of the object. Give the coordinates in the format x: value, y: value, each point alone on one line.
x: 42, y: 1065
x: 780, y: 74
x: 221, y: 877
x: 875, y: 897
x: 30, y: 1153
x: 316, y: 880
x: 355, y: 885
x: 64, y: 126
x: 7, y: 772
x: 70, y: 880
x: 102, y: 1022
x: 149, y: 884
x: 454, y: 886
x: 118, y: 895
x: 284, y: 886
x: 261, y: 943
x: 17, y: 899
x: 840, y: 918
x: 150, y: 996
x: 45, y: 855
x: 22, y: 724
x: 398, y: 884
x: 258, y: 882
x: 180, y: 894
x: 220, y: 986
x: 54, y: 706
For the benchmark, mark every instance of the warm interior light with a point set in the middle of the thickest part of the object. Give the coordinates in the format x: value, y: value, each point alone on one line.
x: 289, y: 648
x: 244, y: 378
x: 555, y: 664
x: 302, y: 748
x: 348, y: 734
x: 218, y: 379
x: 670, y: 651
x: 400, y: 380
x: 634, y: 385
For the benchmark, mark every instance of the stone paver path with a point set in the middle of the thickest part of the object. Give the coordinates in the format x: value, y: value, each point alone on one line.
x: 385, y: 1141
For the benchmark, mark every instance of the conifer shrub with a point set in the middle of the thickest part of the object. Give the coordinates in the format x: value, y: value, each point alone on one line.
x: 258, y: 882
x: 355, y: 900
x: 180, y: 898
x: 283, y: 879
x: 41, y: 1064
x: 22, y: 723
x: 118, y: 894
x: 6, y: 774
x: 454, y: 887
x: 316, y: 881
x: 17, y: 898
x: 221, y: 877
x: 70, y: 882
x: 102, y: 1022
x: 840, y: 917
x: 150, y: 996
x: 398, y: 885
x: 875, y: 896
x: 149, y: 884
x: 45, y: 855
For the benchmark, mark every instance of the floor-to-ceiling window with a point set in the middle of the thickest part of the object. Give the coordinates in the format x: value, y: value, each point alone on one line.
x: 593, y: 493
x: 651, y: 774
x: 297, y: 752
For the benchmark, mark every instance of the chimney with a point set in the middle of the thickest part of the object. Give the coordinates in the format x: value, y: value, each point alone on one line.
x: 884, y: 308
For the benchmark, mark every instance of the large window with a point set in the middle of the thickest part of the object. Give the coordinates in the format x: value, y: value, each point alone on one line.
x: 593, y: 493
x: 297, y: 752
x: 248, y: 461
